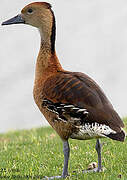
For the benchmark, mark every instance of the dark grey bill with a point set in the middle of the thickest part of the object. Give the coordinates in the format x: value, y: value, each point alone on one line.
x: 15, y: 20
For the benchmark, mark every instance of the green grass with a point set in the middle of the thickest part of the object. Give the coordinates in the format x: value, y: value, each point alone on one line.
x: 33, y: 154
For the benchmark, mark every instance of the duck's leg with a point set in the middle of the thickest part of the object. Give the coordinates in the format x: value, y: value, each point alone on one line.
x: 98, y: 148
x: 66, y: 151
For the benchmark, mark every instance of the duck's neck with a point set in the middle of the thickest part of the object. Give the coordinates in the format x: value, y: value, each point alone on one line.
x: 47, y: 61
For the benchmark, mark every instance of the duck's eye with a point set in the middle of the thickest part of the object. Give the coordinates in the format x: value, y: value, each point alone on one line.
x: 30, y: 11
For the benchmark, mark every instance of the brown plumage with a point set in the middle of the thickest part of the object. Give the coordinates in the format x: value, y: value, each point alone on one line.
x: 73, y: 104
x: 80, y: 90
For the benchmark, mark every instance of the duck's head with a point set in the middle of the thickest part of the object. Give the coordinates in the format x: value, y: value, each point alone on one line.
x: 39, y: 15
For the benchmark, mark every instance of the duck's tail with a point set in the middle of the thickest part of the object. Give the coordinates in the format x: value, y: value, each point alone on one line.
x: 119, y: 136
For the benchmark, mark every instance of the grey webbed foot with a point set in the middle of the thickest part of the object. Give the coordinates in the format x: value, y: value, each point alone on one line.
x: 95, y: 170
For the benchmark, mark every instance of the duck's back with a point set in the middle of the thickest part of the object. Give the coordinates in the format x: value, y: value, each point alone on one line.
x: 65, y: 91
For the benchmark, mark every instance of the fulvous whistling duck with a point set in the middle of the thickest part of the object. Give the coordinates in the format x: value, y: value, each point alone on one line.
x: 73, y: 104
